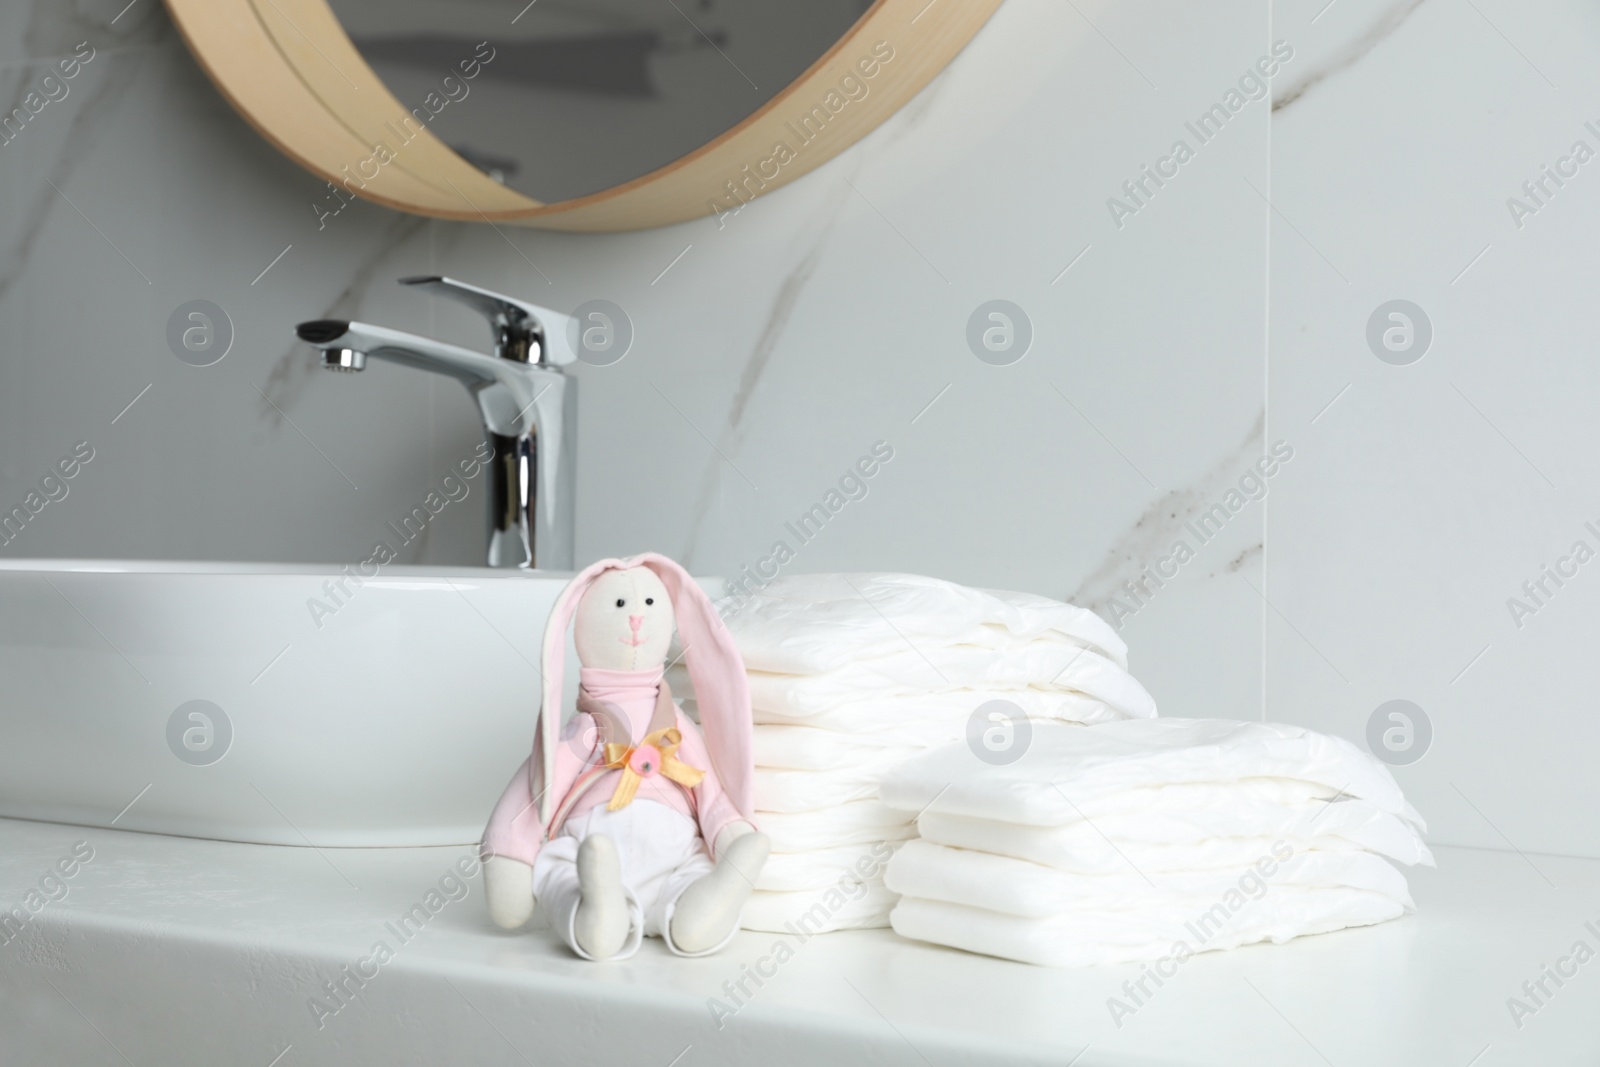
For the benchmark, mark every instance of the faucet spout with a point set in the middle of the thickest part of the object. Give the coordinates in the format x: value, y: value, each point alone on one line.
x: 506, y: 391
x: 529, y: 413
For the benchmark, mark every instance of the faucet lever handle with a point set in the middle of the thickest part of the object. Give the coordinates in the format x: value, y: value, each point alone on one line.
x: 524, y: 332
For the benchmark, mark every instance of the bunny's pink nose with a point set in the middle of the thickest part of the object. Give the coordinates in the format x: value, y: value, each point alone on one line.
x: 635, y: 621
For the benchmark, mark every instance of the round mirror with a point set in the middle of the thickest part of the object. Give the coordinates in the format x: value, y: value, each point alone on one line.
x: 570, y: 114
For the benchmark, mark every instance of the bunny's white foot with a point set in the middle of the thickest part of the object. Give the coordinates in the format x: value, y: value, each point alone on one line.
x: 508, y: 885
x: 600, y: 925
x: 708, y: 910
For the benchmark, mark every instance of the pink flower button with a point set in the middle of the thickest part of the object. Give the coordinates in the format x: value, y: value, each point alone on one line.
x: 645, y: 761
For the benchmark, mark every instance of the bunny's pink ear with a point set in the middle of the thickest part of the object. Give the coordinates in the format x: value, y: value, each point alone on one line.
x: 722, y: 692
x: 552, y: 666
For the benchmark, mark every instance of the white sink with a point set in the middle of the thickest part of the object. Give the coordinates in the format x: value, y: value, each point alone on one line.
x: 397, y: 721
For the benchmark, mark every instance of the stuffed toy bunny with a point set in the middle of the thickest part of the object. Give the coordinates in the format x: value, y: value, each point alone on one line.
x: 628, y: 821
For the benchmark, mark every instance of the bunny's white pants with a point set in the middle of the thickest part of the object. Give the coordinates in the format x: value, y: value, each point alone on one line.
x: 661, y: 853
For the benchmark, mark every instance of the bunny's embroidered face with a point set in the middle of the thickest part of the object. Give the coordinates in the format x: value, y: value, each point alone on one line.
x: 625, y: 621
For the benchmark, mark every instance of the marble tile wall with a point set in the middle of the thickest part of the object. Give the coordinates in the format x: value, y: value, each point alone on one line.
x: 1431, y: 542
x: 781, y: 346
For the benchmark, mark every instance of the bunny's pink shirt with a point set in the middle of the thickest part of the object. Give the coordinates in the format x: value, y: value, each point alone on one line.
x: 514, y: 829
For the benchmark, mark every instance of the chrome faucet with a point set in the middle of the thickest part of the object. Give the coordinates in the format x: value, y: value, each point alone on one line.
x: 529, y: 408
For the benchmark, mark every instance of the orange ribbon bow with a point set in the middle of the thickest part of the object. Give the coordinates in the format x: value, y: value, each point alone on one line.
x: 656, y: 754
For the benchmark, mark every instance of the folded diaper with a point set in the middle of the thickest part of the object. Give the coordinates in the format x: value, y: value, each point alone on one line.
x: 823, y: 867
x: 787, y: 746
x: 1204, y: 803
x: 856, y: 823
x: 810, y: 791
x: 847, y: 906
x: 815, y: 623
x: 913, y: 715
x: 1082, y: 938
x: 940, y: 670
x: 1066, y: 767
x: 1101, y: 843
x: 1149, y: 861
x: 929, y: 871
x: 899, y: 716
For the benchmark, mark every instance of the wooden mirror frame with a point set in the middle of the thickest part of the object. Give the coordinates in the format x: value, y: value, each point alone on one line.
x: 290, y: 69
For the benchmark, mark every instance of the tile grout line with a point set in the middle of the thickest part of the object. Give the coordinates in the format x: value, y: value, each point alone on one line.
x: 1266, y: 388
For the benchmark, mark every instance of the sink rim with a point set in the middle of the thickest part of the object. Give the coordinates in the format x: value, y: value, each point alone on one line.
x: 262, y: 569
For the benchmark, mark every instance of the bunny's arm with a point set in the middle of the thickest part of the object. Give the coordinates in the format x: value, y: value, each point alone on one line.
x: 716, y: 810
x: 514, y: 830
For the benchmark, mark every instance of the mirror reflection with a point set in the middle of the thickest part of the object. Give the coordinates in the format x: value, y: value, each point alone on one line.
x: 558, y: 99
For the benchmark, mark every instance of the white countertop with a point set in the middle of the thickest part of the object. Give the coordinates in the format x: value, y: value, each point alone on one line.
x: 174, y: 951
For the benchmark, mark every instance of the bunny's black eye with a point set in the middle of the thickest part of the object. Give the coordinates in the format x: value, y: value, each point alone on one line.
x: 620, y: 602
x: 649, y: 600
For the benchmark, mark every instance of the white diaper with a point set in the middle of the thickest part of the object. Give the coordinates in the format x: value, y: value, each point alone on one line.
x: 856, y: 823
x: 1056, y: 666
x: 1082, y: 938
x: 845, y: 904
x: 1209, y: 836
x: 812, y: 623
x: 1065, y: 768
x: 1029, y: 890
x: 788, y: 872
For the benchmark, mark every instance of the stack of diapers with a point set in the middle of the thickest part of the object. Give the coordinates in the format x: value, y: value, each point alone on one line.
x: 850, y: 675
x: 1149, y: 839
